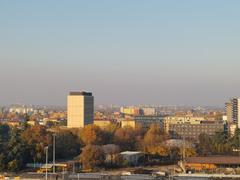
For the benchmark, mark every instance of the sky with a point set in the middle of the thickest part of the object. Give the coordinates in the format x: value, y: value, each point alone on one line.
x: 126, y: 51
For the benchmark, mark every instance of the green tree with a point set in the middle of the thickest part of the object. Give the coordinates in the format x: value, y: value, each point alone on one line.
x: 16, y: 151
x: 4, y: 132
x: 3, y: 162
x: 220, y: 143
x: 235, y: 140
x: 204, y: 146
x: 67, y: 145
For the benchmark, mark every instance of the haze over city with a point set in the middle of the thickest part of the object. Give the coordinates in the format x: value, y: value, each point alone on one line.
x: 125, y: 52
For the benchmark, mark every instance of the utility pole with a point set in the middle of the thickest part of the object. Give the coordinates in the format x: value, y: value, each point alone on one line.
x: 54, y: 148
x: 46, y: 150
x: 184, y: 145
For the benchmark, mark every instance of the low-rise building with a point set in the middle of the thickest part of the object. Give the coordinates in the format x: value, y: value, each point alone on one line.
x: 181, y: 120
x: 128, y: 123
x: 211, y: 162
x: 192, y: 131
x: 132, y: 157
x: 102, y: 123
x: 131, y: 111
x: 146, y: 121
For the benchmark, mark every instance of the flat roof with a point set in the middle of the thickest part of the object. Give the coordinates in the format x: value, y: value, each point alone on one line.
x: 131, y: 153
x: 80, y: 93
x: 214, y: 160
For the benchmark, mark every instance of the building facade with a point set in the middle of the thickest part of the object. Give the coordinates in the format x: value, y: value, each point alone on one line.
x: 233, y: 111
x: 192, y: 131
x: 103, y: 123
x: 143, y: 121
x: 169, y: 120
x: 80, y: 107
x: 131, y: 111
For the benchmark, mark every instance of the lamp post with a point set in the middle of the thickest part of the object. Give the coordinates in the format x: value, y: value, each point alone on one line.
x: 54, y: 154
x: 46, y: 150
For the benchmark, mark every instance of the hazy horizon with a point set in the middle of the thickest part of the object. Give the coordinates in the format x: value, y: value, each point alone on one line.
x: 125, y: 52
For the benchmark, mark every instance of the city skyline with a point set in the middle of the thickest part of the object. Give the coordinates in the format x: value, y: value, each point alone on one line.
x: 126, y: 53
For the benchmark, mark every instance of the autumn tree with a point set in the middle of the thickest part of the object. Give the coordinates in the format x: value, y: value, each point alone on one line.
x: 91, y: 134
x: 36, y: 138
x: 153, y: 139
x: 108, y: 133
x: 92, y: 156
x: 125, y: 138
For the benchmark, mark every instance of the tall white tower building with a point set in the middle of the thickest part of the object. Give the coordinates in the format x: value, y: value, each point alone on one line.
x: 80, y: 107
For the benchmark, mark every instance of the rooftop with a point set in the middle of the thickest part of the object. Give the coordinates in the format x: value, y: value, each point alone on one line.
x: 131, y: 153
x: 214, y: 160
x: 82, y: 93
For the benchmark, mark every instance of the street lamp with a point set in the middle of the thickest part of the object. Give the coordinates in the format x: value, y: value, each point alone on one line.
x: 46, y: 151
x: 54, y: 145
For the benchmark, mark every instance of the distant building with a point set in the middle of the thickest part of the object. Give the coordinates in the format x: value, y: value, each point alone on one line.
x: 20, y: 109
x: 137, y: 111
x: 131, y: 111
x: 229, y: 111
x: 192, y: 131
x: 233, y: 111
x: 128, y: 123
x: 102, y: 123
x: 148, y: 111
x: 144, y: 121
x: 80, y: 107
x: 236, y: 111
x: 169, y: 120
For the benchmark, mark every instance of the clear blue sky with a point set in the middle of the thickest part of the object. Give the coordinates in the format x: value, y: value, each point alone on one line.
x: 179, y: 52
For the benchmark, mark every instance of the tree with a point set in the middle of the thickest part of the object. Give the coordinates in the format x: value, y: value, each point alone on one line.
x: 108, y: 133
x: 4, y: 132
x: 67, y: 145
x: 125, y: 138
x: 153, y: 139
x: 111, y: 152
x: 16, y: 151
x: 13, y: 165
x: 189, y: 152
x: 92, y: 156
x: 3, y: 162
x: 235, y: 140
x: 36, y: 139
x: 91, y: 134
x: 204, y: 146
x: 220, y: 143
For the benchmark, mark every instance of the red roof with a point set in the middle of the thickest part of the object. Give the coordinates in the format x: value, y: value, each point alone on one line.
x: 214, y: 160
